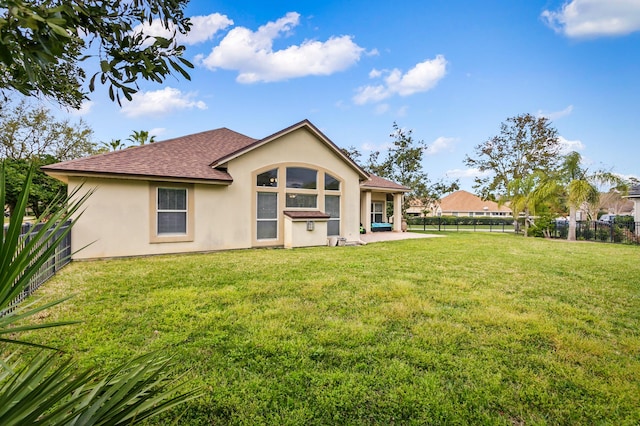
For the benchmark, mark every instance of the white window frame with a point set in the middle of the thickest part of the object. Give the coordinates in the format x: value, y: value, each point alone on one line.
x: 157, y: 237
x: 274, y: 219
x: 334, y: 219
x: 374, y: 212
x: 184, y: 211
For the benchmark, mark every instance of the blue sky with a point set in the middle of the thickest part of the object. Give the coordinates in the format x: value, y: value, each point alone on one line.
x: 450, y: 70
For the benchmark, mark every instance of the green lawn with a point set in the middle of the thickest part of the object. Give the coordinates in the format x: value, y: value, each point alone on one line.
x: 474, y: 328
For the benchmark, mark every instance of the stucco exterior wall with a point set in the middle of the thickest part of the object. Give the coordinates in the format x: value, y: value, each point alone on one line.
x: 298, y: 148
x: 118, y: 218
x: 296, y: 233
x: 117, y: 221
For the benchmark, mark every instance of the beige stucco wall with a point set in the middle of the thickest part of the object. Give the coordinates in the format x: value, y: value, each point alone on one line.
x: 296, y: 233
x: 117, y: 221
x: 299, y: 148
x: 118, y: 217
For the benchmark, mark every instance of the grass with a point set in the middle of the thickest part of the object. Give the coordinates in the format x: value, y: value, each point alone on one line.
x: 474, y: 328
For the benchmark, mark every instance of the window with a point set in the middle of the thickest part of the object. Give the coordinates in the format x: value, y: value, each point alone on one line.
x: 268, y: 178
x: 300, y: 177
x: 377, y: 214
x: 331, y: 183
x: 267, y: 216
x: 307, y: 201
x: 293, y: 187
x: 172, y: 211
x: 332, y: 208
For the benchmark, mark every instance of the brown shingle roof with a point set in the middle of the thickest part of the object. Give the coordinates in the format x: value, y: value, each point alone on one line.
x: 302, y: 124
x: 306, y: 214
x: 376, y: 182
x: 187, y: 157
x: 463, y: 201
x: 192, y: 157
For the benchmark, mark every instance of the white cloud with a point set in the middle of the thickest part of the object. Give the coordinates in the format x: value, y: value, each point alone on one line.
x: 466, y: 173
x: 421, y: 78
x: 251, y: 53
x: 203, y: 28
x: 160, y: 102
x: 567, y: 146
x: 85, y: 108
x: 556, y: 114
x: 441, y: 144
x: 381, y: 109
x: 374, y: 73
x: 594, y: 18
x: 157, y: 131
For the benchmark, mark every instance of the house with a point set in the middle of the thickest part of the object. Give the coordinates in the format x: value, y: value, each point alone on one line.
x: 613, y: 202
x: 634, y: 195
x: 461, y: 203
x: 219, y: 190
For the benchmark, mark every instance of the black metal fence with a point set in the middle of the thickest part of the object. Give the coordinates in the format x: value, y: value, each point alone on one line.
x: 624, y: 232
x: 455, y: 223
x: 60, y: 257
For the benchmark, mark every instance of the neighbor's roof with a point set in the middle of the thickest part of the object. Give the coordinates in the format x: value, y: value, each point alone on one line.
x: 463, y: 201
x: 634, y: 191
x: 376, y: 182
x: 192, y: 157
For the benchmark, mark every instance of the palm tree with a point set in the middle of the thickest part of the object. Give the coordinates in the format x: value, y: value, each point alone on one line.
x: 141, y: 137
x: 581, y: 186
x: 50, y: 388
x: 113, y: 144
x: 527, y: 194
x: 519, y: 200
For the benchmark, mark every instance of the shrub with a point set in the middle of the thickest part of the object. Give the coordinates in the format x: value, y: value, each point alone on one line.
x: 603, y: 233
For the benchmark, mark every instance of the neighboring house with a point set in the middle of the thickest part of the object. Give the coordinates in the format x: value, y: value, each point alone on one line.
x: 613, y: 202
x: 634, y: 195
x: 220, y: 190
x: 419, y: 209
x: 461, y: 203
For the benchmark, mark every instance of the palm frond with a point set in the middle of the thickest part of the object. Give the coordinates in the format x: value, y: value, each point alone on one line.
x: 22, y: 257
x: 51, y: 389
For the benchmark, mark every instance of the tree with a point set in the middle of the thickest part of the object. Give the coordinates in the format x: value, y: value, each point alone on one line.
x: 353, y: 153
x: 581, y: 186
x: 43, y: 191
x: 530, y: 194
x: 403, y: 164
x: 141, y: 137
x: 112, y: 145
x: 30, y: 134
x: 43, y: 43
x: 50, y: 388
x: 526, y: 144
x: 29, y: 130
